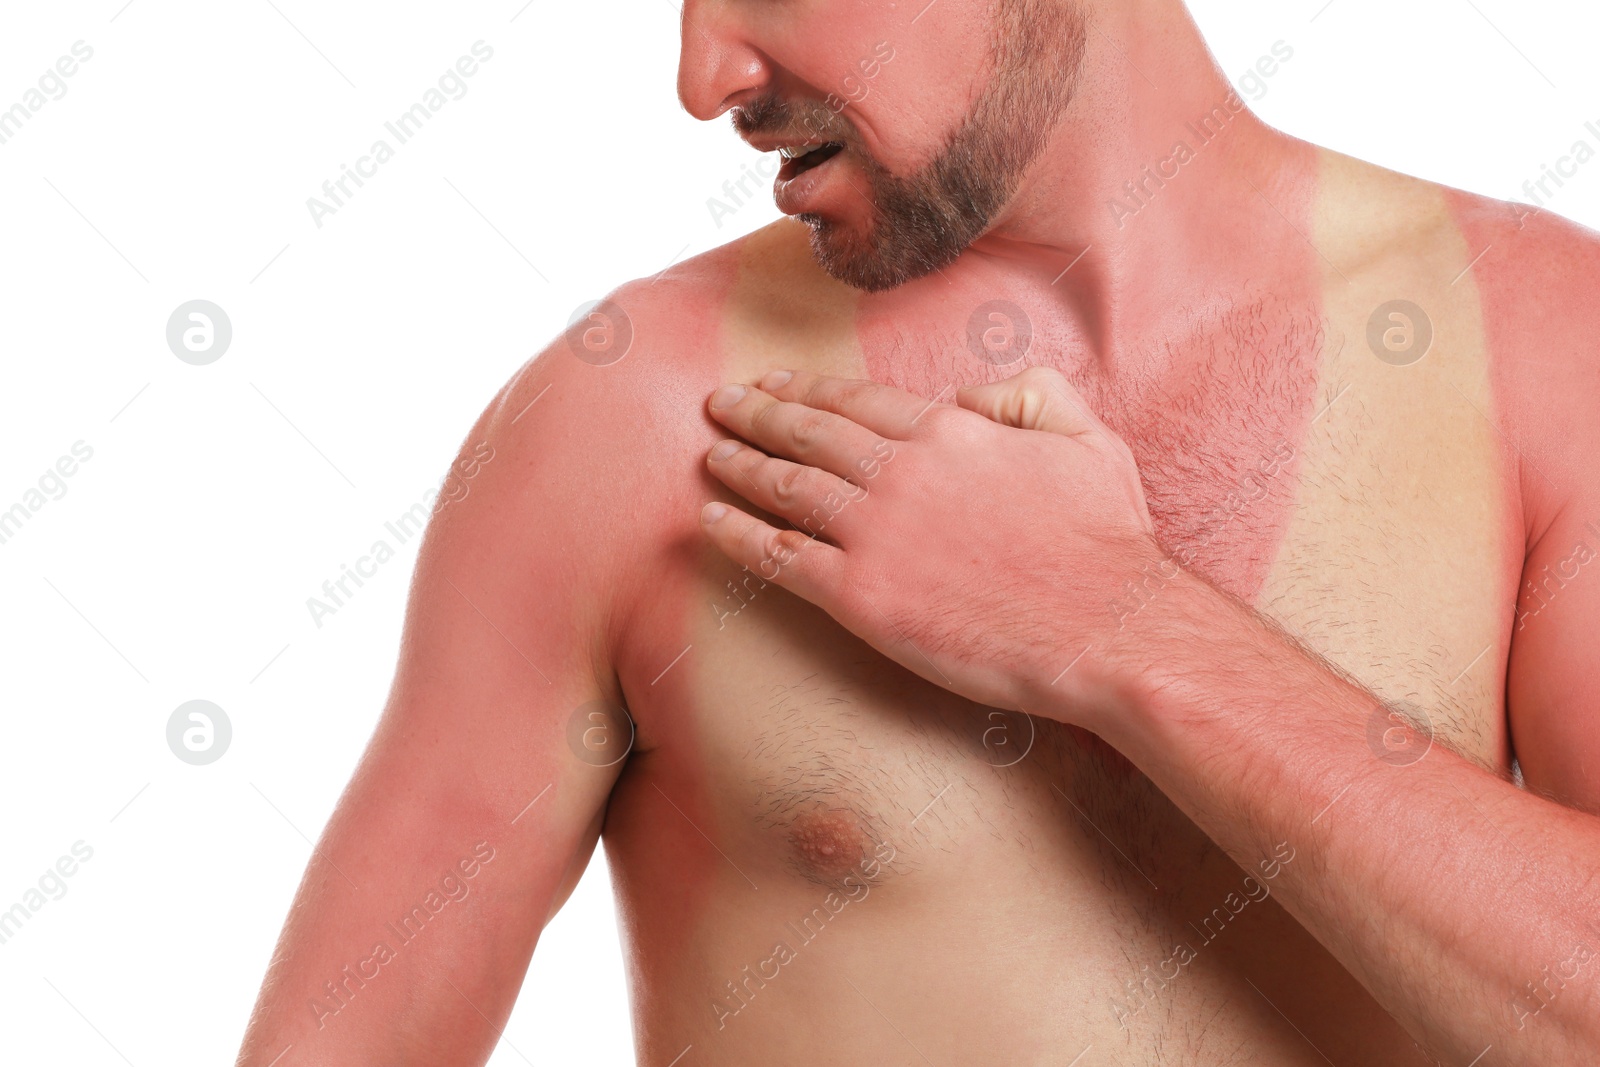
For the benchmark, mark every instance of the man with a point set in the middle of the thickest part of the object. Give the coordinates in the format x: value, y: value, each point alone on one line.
x: 1293, y: 510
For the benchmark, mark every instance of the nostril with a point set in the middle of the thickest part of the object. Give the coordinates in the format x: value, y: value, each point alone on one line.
x: 718, y: 67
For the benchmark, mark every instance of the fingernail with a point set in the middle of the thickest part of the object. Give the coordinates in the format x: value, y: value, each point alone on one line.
x: 776, y: 380
x: 712, y: 512
x: 725, y: 449
x: 727, y: 395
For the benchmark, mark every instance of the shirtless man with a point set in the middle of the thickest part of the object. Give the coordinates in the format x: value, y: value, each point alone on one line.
x: 1288, y: 549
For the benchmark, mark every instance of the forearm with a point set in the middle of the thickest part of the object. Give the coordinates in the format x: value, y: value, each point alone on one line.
x: 1469, y: 908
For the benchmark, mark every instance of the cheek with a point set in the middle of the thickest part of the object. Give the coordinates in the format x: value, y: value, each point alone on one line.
x: 951, y: 62
x: 912, y: 108
x: 904, y: 86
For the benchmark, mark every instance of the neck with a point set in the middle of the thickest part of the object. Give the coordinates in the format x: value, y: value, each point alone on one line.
x: 1159, y: 192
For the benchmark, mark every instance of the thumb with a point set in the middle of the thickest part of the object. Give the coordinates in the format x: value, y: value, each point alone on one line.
x: 1037, y: 399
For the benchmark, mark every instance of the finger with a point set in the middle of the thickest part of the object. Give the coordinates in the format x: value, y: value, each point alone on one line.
x: 884, y: 409
x: 805, y: 434
x: 807, y: 568
x: 1039, y: 398
x: 814, y: 500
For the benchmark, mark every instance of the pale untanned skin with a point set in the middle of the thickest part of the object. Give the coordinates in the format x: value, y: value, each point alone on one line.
x: 1023, y: 913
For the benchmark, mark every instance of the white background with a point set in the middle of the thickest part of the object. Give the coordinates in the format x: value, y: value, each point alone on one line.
x: 219, y: 498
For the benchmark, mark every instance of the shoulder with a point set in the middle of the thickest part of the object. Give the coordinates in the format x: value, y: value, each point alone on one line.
x: 1538, y: 283
x: 588, y: 463
x: 628, y: 358
x: 606, y: 391
x: 627, y: 376
x: 1525, y: 280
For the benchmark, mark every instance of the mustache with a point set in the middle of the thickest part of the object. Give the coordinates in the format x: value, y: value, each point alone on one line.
x: 799, y: 121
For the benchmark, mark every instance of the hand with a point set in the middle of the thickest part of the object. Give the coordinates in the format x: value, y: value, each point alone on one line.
x: 983, y: 545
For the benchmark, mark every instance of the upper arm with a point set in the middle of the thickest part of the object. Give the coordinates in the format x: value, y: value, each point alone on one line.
x: 504, y: 639
x: 1541, y: 294
x: 1553, y: 692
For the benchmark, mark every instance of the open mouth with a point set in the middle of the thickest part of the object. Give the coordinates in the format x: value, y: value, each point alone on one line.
x: 807, y: 158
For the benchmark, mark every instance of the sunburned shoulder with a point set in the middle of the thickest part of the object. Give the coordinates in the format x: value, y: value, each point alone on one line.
x: 650, y: 337
x: 605, y: 428
x: 1537, y: 277
x: 628, y: 376
x: 1532, y: 264
x: 1530, y: 277
x: 589, y: 463
x: 631, y: 375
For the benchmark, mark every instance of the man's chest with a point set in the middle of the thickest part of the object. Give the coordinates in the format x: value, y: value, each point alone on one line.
x: 1357, y: 494
x: 1363, y: 512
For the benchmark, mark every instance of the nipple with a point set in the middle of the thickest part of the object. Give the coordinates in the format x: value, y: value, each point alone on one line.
x: 830, y: 845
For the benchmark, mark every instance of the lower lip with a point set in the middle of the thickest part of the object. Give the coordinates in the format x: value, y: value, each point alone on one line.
x: 799, y: 194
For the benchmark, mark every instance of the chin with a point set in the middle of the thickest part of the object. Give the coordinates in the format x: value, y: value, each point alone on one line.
x: 854, y: 255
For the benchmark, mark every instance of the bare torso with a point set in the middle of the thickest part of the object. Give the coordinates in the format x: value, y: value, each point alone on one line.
x: 821, y: 858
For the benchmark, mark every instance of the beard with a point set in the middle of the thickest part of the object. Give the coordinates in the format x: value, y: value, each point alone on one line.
x: 921, y: 222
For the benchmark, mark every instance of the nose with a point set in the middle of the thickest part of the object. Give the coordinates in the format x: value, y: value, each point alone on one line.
x: 717, y: 64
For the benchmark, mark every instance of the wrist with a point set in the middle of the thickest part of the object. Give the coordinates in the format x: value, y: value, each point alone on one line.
x: 1202, y: 669
x: 1169, y: 641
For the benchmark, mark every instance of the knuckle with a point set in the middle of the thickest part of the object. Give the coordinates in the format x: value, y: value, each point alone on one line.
x: 853, y: 392
x: 789, y: 487
x: 777, y: 549
x: 941, y: 419
x: 818, y: 390
x: 934, y: 416
x: 773, y: 548
x: 758, y: 541
x: 812, y: 427
x: 1035, y: 403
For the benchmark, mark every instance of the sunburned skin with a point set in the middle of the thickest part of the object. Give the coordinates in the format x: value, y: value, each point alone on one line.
x: 969, y: 904
x: 789, y: 711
